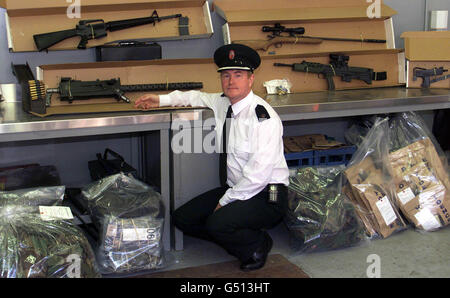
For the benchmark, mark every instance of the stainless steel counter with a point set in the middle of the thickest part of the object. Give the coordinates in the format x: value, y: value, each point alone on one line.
x: 316, y: 105
x: 16, y: 125
x: 342, y: 103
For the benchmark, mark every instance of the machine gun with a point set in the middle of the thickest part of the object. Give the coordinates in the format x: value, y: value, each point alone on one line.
x: 426, y: 75
x: 295, y: 36
x: 70, y: 90
x: 338, y: 67
x: 93, y: 29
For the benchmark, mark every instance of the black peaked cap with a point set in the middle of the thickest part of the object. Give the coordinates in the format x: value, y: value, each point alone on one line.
x: 236, y: 56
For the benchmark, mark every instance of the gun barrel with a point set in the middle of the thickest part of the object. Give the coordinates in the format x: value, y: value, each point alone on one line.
x: 348, y: 39
x: 283, y: 64
x: 162, y: 87
x: 129, y: 23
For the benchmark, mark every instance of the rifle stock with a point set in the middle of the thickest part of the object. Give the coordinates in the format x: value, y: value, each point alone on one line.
x: 46, y: 40
x: 277, y: 42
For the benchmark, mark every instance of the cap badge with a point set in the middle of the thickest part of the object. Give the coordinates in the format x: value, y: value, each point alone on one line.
x: 231, y: 55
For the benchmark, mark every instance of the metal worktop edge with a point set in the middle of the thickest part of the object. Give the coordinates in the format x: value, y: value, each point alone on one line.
x: 18, y: 125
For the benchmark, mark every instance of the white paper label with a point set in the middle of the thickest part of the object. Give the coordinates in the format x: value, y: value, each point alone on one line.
x: 405, y: 195
x: 138, y: 234
x: 386, y: 210
x: 427, y: 220
x: 55, y: 212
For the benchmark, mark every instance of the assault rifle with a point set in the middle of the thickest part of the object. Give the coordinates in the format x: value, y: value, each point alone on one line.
x: 70, y: 90
x: 295, y: 35
x: 93, y: 29
x: 426, y: 75
x: 338, y: 67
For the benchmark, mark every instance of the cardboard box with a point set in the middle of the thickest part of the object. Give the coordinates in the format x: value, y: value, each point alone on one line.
x: 251, y: 11
x: 427, y: 45
x: 26, y: 18
x: 418, y: 82
x: 348, y: 19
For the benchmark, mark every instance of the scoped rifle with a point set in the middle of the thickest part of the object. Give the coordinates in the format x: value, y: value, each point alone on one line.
x: 426, y: 75
x: 70, y: 90
x: 299, y: 31
x: 338, y: 67
x: 295, y: 35
x: 93, y: 29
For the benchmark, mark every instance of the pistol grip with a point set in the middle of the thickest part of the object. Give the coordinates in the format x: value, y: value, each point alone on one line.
x: 83, y: 43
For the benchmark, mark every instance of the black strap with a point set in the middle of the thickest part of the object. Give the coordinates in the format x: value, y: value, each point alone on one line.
x: 223, y: 153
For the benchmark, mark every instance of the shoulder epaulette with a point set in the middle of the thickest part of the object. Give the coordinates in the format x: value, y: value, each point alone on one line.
x: 261, y: 113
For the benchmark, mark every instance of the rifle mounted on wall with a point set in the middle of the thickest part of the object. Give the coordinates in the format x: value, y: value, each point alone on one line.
x: 70, y: 90
x: 294, y: 36
x: 338, y: 67
x: 94, y: 29
x: 426, y: 74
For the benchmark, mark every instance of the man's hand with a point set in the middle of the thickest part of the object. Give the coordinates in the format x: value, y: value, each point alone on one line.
x: 147, y: 101
x: 218, y: 207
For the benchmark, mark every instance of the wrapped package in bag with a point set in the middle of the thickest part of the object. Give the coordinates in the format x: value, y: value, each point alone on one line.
x: 131, y: 244
x: 370, y: 182
x: 130, y: 217
x: 319, y: 216
x: 37, y: 246
x: 420, y: 173
x: 46, y: 196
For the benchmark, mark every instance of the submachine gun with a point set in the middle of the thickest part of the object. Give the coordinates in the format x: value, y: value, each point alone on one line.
x: 338, y: 67
x: 94, y: 29
x: 70, y: 90
x: 426, y: 75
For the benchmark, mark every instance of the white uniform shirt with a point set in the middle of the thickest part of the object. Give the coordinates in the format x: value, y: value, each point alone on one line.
x: 255, y: 148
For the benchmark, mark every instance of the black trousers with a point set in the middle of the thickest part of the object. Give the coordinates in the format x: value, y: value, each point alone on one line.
x: 238, y: 227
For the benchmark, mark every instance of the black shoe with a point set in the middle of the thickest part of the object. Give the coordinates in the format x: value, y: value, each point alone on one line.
x: 258, y: 259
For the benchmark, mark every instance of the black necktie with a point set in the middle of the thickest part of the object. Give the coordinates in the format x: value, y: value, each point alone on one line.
x: 223, y: 154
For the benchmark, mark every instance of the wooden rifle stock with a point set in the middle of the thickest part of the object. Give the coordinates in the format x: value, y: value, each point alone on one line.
x: 277, y: 42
